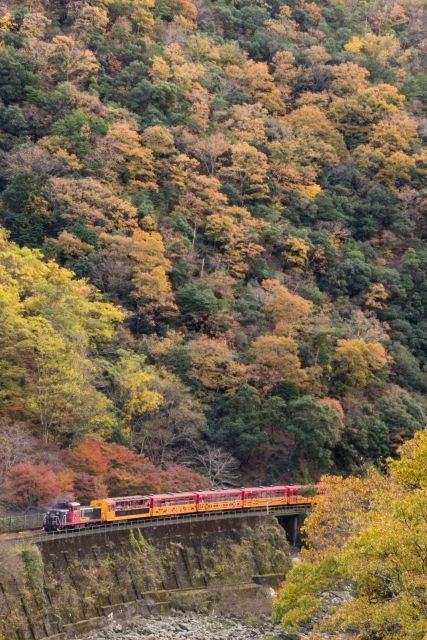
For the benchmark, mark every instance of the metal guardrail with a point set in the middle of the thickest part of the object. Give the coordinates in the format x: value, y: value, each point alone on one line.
x: 21, y: 522
x: 285, y: 510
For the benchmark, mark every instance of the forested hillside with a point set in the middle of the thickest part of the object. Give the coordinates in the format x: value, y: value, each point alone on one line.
x: 213, y: 252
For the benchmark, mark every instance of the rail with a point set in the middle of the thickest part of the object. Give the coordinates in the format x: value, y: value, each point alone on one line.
x: 34, y: 538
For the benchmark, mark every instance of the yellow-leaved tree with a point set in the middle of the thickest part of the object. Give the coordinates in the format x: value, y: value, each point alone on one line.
x: 214, y: 366
x: 359, y: 363
x: 138, y: 11
x: 151, y: 287
x: 288, y: 312
x: 69, y: 62
x: 248, y: 172
x: 367, y: 541
x: 276, y: 361
x: 133, y: 390
x: 51, y: 327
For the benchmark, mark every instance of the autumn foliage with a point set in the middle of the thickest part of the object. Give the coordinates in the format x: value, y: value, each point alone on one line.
x: 92, y: 469
x: 31, y: 485
x: 211, y: 240
x: 365, y: 539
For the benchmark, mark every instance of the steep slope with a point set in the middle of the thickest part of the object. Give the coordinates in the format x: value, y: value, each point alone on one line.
x: 244, y: 180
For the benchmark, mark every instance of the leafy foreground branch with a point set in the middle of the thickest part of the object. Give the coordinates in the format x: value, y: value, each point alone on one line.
x: 366, y: 543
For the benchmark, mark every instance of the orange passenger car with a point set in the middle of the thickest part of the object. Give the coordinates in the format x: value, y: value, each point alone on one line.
x: 219, y: 500
x: 126, y: 508
x: 170, y: 504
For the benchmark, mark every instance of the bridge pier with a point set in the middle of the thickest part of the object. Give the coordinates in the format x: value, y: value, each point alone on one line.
x: 292, y: 525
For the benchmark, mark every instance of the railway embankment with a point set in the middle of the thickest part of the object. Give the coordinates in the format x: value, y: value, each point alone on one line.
x: 63, y: 588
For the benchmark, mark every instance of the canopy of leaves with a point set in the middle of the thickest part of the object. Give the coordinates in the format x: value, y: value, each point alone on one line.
x: 213, y: 201
x: 367, y: 538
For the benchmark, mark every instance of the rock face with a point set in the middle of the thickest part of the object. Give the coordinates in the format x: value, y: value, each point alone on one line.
x: 188, y: 626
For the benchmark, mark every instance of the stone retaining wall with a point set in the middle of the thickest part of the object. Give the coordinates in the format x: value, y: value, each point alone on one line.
x: 63, y: 588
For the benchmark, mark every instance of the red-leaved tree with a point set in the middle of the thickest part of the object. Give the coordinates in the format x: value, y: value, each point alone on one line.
x: 30, y: 485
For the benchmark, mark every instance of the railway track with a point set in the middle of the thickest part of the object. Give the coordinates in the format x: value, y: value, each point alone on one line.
x: 39, y: 536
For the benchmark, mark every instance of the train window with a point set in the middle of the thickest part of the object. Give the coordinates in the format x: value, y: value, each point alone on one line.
x: 171, y: 500
x: 130, y: 501
x: 210, y: 498
x: 276, y: 493
x: 220, y: 497
x: 183, y: 499
x: 161, y: 502
x: 132, y: 512
x: 91, y: 513
x: 131, y: 505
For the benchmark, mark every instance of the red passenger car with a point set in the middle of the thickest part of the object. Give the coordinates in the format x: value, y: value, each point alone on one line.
x: 265, y: 496
x: 219, y: 500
